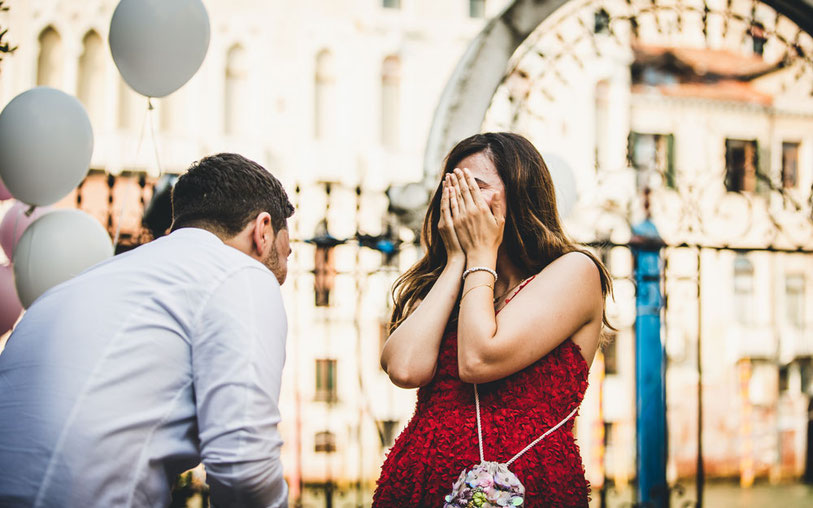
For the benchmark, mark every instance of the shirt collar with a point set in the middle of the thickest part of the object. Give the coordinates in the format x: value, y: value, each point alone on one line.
x: 196, y: 233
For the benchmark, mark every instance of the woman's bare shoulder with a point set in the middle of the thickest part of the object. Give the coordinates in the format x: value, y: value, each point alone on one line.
x: 576, y: 267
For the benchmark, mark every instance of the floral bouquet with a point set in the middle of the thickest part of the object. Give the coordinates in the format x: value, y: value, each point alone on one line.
x: 487, y: 485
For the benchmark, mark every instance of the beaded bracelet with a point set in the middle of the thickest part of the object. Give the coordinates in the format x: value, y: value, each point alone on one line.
x: 480, y: 269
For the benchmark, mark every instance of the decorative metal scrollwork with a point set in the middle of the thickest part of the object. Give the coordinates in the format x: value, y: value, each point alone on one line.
x: 562, y: 55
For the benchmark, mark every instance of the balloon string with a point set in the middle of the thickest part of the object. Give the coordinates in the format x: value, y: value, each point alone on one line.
x: 153, y: 137
x: 141, y: 131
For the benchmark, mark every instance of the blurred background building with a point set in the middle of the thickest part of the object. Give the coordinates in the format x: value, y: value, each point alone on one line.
x: 698, y: 114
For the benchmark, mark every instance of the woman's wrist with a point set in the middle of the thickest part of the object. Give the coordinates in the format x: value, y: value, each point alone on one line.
x: 456, y: 263
x: 481, y: 258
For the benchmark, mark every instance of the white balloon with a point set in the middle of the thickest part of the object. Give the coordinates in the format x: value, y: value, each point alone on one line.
x: 46, y: 142
x: 158, y: 44
x: 564, y: 183
x: 56, y: 247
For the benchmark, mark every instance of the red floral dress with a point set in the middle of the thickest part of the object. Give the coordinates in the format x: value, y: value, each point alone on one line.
x: 440, y: 440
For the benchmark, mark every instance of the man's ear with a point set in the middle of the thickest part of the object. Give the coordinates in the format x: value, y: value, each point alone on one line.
x: 263, y: 234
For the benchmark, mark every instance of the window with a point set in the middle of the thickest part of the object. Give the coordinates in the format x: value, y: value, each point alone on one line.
x: 806, y: 374
x: 741, y: 165
x: 758, y: 39
x: 324, y: 275
x: 601, y: 22
x: 324, y: 442
x: 387, y: 428
x: 326, y: 380
x: 477, y: 8
x: 90, y: 81
x: 795, y: 300
x: 391, y: 4
x: 235, y: 107
x: 323, y: 100
x: 790, y: 165
x: 652, y: 154
x: 609, y: 435
x: 609, y: 350
x: 784, y: 378
x: 49, y: 62
x: 390, y: 101
x: 743, y: 290
x: 324, y: 263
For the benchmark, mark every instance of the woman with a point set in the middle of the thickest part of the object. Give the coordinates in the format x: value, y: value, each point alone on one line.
x: 525, y: 337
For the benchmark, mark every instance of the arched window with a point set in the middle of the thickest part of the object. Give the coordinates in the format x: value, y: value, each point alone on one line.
x: 324, y: 441
x: 49, y: 61
x: 236, y: 91
x: 324, y: 102
x: 390, y: 101
x: 90, y: 81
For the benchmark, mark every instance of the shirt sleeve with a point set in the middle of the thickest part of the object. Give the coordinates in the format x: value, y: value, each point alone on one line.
x: 238, y: 352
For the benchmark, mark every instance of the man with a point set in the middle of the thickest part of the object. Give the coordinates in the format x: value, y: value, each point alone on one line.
x: 118, y: 380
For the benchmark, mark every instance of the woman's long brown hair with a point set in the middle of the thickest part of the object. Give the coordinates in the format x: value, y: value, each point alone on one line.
x: 533, y: 235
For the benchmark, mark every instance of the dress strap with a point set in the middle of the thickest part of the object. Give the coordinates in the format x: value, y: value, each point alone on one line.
x: 531, y: 445
x: 543, y: 436
x: 519, y: 288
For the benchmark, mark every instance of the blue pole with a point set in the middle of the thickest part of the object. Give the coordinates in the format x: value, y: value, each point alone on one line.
x: 650, y: 379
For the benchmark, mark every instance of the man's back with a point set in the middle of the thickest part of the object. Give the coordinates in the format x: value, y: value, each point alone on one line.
x: 100, y: 380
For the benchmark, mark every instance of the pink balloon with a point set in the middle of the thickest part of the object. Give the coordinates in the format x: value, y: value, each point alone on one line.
x: 10, y: 306
x: 14, y: 223
x: 4, y: 193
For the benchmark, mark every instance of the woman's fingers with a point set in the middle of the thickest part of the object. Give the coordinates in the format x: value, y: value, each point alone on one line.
x: 498, y: 210
x: 453, y: 203
x: 443, y: 205
x: 445, y: 209
x: 476, y: 195
x: 458, y: 192
x: 465, y: 192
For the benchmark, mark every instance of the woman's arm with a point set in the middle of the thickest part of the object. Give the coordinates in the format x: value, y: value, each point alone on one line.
x: 563, y: 301
x: 411, y: 352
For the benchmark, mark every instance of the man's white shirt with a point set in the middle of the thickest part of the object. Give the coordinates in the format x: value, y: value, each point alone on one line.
x: 121, y: 378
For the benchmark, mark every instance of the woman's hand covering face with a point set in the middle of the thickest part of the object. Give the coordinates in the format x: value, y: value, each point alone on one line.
x: 446, y: 224
x: 479, y: 227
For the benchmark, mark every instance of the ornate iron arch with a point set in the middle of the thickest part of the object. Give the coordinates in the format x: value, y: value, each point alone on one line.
x: 467, y: 94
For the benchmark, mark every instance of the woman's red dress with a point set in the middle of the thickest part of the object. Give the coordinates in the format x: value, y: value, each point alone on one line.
x: 440, y: 440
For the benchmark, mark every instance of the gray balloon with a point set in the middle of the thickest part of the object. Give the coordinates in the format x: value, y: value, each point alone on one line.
x: 158, y: 45
x: 56, y: 247
x: 46, y: 142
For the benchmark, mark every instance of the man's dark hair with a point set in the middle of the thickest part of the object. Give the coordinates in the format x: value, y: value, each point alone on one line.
x: 224, y: 192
